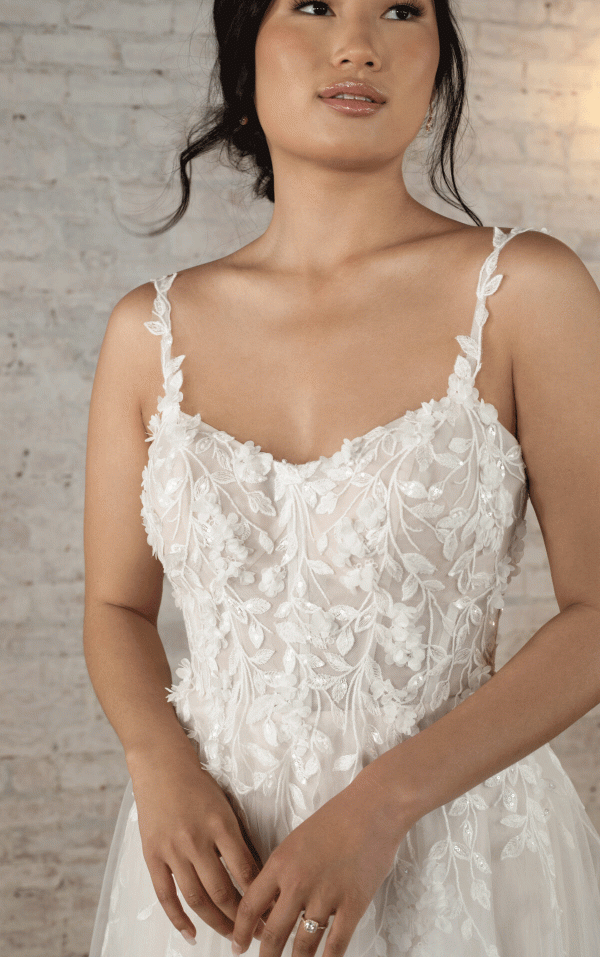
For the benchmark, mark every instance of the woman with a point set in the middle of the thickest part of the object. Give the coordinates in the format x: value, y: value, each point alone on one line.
x: 343, y: 772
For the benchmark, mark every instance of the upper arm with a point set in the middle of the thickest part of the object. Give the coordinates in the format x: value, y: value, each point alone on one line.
x: 554, y: 309
x: 119, y: 566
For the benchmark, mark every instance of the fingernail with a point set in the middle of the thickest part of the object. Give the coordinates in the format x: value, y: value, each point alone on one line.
x: 235, y: 948
x: 188, y: 937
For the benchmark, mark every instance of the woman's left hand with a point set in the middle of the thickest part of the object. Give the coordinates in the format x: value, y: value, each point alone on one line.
x: 332, y: 863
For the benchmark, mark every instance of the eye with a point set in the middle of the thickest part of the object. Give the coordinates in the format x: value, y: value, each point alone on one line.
x: 406, y: 11
x: 305, y: 3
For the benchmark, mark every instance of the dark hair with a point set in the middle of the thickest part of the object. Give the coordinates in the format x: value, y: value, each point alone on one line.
x: 236, y: 26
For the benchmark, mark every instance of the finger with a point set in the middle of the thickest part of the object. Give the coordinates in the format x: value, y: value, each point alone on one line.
x: 239, y: 859
x: 339, y: 935
x: 306, y: 942
x: 247, y: 840
x: 279, y: 926
x: 197, y: 897
x: 164, y: 887
x: 265, y: 916
x: 217, y: 883
x: 252, y: 908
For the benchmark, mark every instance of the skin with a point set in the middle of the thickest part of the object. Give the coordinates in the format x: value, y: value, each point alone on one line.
x: 340, y: 195
x: 384, y: 286
x: 346, y: 240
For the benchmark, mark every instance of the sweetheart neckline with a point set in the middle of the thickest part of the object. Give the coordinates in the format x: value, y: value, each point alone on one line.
x: 487, y: 284
x: 388, y: 427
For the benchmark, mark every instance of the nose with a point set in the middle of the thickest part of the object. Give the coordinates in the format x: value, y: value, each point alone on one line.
x: 358, y: 55
x: 354, y: 43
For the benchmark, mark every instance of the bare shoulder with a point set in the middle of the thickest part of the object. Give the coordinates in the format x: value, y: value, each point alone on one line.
x: 547, y: 301
x: 127, y: 340
x: 203, y: 277
x: 132, y: 310
x: 552, y: 305
x: 545, y: 276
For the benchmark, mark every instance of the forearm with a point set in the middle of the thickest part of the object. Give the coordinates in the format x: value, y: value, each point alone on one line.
x: 130, y: 672
x: 548, y: 685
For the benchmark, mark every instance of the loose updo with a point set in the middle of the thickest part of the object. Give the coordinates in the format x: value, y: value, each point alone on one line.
x: 236, y: 25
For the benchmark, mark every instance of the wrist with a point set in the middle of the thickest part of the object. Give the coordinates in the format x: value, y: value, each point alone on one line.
x: 392, y: 794
x: 155, y: 756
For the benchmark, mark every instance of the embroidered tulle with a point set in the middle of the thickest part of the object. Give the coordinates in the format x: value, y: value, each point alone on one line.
x: 332, y: 609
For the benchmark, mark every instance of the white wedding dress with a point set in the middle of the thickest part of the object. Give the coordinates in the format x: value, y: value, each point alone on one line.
x: 332, y: 609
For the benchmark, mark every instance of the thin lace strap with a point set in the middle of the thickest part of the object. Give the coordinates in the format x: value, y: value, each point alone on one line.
x: 161, y: 326
x: 488, y: 284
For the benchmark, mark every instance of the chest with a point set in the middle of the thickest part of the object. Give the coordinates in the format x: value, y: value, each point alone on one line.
x: 297, y: 370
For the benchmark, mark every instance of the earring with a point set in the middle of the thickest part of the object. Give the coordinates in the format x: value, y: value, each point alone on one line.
x: 429, y: 119
x: 243, y: 120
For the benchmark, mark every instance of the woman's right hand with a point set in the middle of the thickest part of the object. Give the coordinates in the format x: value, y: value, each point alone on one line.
x: 186, y: 824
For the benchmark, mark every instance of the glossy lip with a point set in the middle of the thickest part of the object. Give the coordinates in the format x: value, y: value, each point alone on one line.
x: 352, y: 107
x: 350, y: 86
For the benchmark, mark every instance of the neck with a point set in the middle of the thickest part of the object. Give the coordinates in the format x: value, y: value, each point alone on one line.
x: 325, y: 219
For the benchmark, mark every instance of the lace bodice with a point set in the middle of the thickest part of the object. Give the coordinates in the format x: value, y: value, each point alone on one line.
x: 335, y: 607
x: 332, y: 609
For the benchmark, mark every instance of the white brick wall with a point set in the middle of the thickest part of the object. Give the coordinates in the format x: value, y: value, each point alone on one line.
x: 116, y: 17
x: 68, y: 49
x: 94, y: 95
x: 31, y: 13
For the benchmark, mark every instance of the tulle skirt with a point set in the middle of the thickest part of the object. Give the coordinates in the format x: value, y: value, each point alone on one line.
x: 510, y: 869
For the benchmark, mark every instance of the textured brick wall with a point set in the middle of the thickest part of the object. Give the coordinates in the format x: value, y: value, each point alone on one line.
x: 93, y: 95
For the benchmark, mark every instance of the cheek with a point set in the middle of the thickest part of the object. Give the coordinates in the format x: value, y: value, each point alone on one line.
x: 423, y: 55
x: 283, y: 58
x: 430, y: 57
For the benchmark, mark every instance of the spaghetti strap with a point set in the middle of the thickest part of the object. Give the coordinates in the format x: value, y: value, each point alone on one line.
x: 332, y: 609
x: 161, y: 326
x: 487, y: 285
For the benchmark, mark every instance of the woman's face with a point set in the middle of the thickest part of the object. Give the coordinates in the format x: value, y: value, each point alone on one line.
x: 300, y: 51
